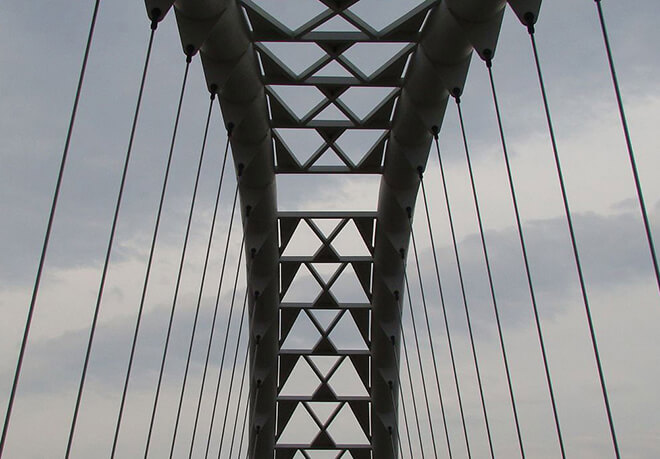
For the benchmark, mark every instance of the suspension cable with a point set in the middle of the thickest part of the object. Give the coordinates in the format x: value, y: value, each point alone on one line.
x: 253, y: 406
x: 523, y: 246
x: 224, y: 347
x: 529, y: 19
x: 144, y: 289
x: 197, y: 307
x: 393, y: 441
x: 245, y: 416
x: 257, y: 341
x: 240, y: 397
x: 398, y: 364
x: 428, y: 325
x: 222, y: 274
x: 421, y: 367
x: 106, y: 262
x: 181, y: 264
x: 257, y: 431
x: 631, y: 156
x: 405, y: 414
x: 233, y: 371
x: 49, y: 227
x: 446, y: 322
x: 464, y: 297
x: 491, y: 284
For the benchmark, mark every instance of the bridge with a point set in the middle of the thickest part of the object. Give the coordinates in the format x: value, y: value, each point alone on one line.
x: 365, y: 257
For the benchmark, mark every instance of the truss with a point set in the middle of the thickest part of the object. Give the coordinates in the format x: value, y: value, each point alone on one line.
x: 333, y: 92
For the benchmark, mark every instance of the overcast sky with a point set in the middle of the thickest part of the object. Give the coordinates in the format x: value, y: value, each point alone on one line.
x: 44, y: 42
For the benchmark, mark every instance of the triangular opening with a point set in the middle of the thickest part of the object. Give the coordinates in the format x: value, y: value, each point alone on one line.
x: 302, y: 143
x: 326, y: 225
x: 333, y: 69
x: 291, y: 13
x: 347, y: 288
x: 303, y: 335
x: 302, y: 382
x: 324, y: 363
x: 346, y: 336
x: 345, y: 428
x: 349, y: 242
x: 336, y: 24
x: 304, y: 242
x: 298, y: 57
x: 329, y: 158
x: 362, y: 101
x: 370, y: 58
x: 301, y: 100
x: 323, y: 410
x: 324, y: 317
x: 299, y: 455
x: 377, y: 17
x: 322, y: 453
x: 331, y: 113
x: 346, y: 382
x: 326, y: 270
x: 301, y: 428
x: 356, y: 143
x: 303, y: 289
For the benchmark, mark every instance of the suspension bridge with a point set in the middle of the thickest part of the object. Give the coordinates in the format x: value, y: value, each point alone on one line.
x: 323, y: 237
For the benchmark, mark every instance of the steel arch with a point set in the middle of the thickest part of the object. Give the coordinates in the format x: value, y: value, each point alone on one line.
x: 444, y: 35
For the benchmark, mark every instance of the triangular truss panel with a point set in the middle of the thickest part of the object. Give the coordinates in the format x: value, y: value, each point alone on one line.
x: 348, y: 66
x: 329, y: 87
x: 324, y: 364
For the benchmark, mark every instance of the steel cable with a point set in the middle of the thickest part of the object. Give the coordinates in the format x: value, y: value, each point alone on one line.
x: 405, y: 415
x: 428, y: 325
x: 233, y: 371
x: 181, y: 263
x: 198, y: 305
x: 523, y: 247
x: 464, y: 297
x: 491, y: 284
x: 49, y: 227
x: 398, y: 364
x: 203, y: 280
x: 631, y: 157
x: 224, y: 348
x: 571, y: 229
x: 108, y: 253
x: 240, y: 397
x: 421, y: 367
x: 446, y: 323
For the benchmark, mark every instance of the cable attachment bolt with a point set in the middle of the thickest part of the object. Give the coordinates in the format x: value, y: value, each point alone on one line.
x: 155, y: 16
x: 230, y: 130
x: 435, y: 131
x: 488, y: 55
x: 409, y: 212
x: 189, y: 51
x: 528, y: 20
x: 456, y: 94
x: 213, y: 89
